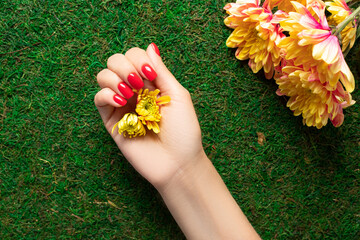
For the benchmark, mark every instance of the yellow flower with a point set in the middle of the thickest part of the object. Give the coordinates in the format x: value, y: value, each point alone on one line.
x: 256, y: 34
x: 148, y: 108
x: 130, y: 125
x: 315, y: 101
x: 339, y: 12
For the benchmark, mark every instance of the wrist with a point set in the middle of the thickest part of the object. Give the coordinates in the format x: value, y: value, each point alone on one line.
x: 203, y: 206
x: 185, y: 174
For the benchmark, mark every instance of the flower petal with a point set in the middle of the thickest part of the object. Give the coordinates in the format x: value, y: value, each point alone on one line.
x: 327, y: 50
x: 163, y: 100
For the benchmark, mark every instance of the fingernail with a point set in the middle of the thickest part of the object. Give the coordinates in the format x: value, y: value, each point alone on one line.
x: 125, y: 90
x: 156, y: 49
x: 135, y: 81
x: 119, y: 100
x: 149, y: 72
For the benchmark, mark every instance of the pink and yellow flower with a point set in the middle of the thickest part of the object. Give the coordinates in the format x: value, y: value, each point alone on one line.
x: 309, y: 65
x: 285, y: 5
x: 313, y: 72
x: 317, y: 102
x: 339, y: 12
x: 256, y: 34
x: 311, y: 45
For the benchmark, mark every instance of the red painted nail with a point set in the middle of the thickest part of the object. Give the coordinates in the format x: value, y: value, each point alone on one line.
x: 156, y: 49
x: 119, y: 100
x: 135, y: 81
x: 125, y: 90
x: 149, y: 72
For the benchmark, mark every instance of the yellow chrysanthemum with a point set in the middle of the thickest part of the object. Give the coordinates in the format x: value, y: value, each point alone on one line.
x: 148, y: 109
x: 130, y: 126
x: 256, y: 34
x: 339, y: 12
x: 315, y: 101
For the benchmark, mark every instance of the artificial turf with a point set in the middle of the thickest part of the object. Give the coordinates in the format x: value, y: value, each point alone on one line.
x: 61, y: 175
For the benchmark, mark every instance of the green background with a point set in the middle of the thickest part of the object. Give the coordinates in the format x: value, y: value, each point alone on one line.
x: 61, y: 175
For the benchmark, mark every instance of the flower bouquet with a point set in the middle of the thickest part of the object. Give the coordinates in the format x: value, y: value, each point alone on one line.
x: 301, y: 44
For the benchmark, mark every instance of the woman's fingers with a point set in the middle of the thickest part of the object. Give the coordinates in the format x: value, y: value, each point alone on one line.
x: 128, y: 71
x: 107, y: 96
x: 106, y: 100
x: 120, y: 65
x: 142, y: 63
x: 108, y: 79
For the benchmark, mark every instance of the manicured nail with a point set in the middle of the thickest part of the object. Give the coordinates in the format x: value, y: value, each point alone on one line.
x: 135, y: 81
x: 156, y: 49
x: 125, y: 90
x: 119, y: 100
x: 149, y: 72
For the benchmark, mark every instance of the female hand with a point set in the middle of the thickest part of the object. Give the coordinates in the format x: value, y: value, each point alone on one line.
x: 157, y: 157
x: 173, y: 160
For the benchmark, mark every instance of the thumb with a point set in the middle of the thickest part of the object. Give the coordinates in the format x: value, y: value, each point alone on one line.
x: 165, y: 81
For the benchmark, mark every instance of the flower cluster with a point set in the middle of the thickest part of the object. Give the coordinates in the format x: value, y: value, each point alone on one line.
x: 300, y: 48
x: 147, y: 114
x: 256, y: 34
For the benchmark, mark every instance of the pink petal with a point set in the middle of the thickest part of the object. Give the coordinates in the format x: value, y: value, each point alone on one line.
x: 310, y: 22
x: 312, y: 36
x: 327, y: 50
x: 338, y: 120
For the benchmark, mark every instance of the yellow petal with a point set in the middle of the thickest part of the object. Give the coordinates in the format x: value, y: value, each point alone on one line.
x: 163, y: 100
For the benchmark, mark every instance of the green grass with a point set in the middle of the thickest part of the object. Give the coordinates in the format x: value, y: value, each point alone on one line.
x: 59, y: 167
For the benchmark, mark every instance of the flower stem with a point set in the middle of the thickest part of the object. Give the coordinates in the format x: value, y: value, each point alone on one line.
x: 344, y: 23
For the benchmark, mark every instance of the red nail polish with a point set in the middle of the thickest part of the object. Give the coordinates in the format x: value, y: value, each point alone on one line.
x: 125, y: 90
x: 149, y: 72
x: 156, y: 49
x: 119, y: 100
x: 135, y: 81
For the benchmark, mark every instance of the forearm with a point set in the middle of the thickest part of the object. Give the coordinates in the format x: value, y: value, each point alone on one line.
x: 203, y: 207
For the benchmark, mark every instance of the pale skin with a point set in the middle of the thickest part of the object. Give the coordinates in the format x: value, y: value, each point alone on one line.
x: 173, y: 161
